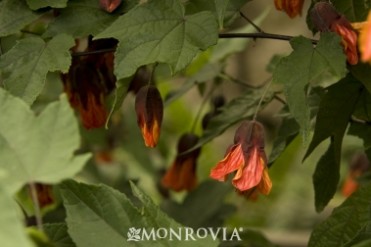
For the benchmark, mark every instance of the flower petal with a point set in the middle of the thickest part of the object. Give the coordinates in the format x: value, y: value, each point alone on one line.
x: 233, y: 160
x: 252, y: 172
x: 265, y: 184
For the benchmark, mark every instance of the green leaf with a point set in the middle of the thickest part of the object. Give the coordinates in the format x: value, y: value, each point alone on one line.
x: 203, y: 207
x: 58, y: 235
x: 38, y: 4
x: 25, y: 66
x: 363, y: 107
x: 105, y: 215
x: 345, y: 221
x: 37, y: 149
x: 224, y: 10
x: 15, y: 15
x: 309, y: 65
x: 12, y: 232
x: 82, y: 18
x: 333, y: 116
x: 159, y: 32
x: 286, y: 133
x: 354, y: 10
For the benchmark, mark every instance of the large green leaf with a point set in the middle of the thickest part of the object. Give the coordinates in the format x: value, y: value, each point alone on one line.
x: 203, y: 207
x: 82, y: 18
x: 101, y: 216
x: 323, y: 64
x: 25, y: 66
x: 333, y: 116
x: 159, y: 31
x: 14, y: 15
x: 38, y: 4
x: 12, y: 232
x: 345, y: 221
x: 37, y: 149
x: 354, y: 10
x: 224, y: 10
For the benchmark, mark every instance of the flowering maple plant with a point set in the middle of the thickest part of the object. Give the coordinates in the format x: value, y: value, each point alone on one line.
x: 114, y: 117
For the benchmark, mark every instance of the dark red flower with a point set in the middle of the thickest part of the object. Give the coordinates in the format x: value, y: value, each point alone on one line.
x: 246, y: 159
x: 89, y: 80
x: 359, y: 165
x: 182, y: 173
x: 149, y: 109
x: 325, y: 18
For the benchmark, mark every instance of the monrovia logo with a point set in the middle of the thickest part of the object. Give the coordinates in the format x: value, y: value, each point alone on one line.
x: 183, y: 234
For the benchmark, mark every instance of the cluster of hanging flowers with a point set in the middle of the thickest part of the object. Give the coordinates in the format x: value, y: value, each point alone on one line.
x: 246, y: 159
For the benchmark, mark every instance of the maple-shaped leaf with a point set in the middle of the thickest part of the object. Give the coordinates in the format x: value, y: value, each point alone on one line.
x: 159, y: 31
x: 25, y: 66
x: 333, y: 116
x: 323, y: 64
x: 37, y: 149
x: 15, y: 15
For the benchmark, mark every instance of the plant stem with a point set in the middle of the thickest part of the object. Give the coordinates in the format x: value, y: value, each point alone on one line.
x: 39, y: 221
x: 262, y: 97
x: 260, y: 36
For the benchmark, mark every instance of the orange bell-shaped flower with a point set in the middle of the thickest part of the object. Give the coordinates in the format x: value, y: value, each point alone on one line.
x: 149, y: 109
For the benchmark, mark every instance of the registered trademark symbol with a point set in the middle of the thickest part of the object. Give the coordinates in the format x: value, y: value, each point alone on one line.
x: 240, y: 229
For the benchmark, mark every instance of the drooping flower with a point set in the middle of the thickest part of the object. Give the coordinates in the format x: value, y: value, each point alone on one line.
x: 365, y: 40
x: 89, y: 80
x: 291, y: 7
x: 246, y: 159
x: 149, y: 109
x: 182, y: 173
x: 86, y: 95
x: 325, y: 18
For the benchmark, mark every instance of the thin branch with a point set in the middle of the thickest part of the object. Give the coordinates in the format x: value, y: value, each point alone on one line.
x: 251, y: 22
x: 260, y: 36
x: 35, y: 200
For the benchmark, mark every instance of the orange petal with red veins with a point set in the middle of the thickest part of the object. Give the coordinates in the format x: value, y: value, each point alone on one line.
x: 230, y: 163
x: 252, y: 172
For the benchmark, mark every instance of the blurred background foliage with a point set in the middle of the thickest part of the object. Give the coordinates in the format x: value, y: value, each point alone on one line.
x: 286, y: 217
